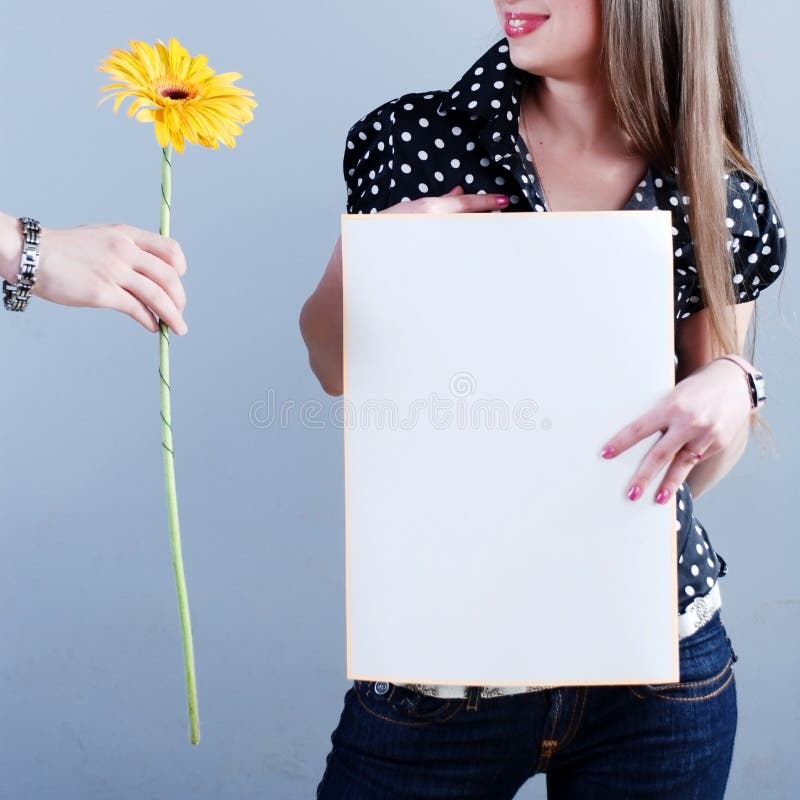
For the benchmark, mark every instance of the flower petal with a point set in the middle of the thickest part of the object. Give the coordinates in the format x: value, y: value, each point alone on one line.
x: 162, y: 132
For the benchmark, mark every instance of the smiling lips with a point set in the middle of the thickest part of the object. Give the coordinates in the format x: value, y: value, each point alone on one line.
x: 522, y: 24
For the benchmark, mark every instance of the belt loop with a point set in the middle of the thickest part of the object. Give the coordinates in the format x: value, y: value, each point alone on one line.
x: 473, y: 697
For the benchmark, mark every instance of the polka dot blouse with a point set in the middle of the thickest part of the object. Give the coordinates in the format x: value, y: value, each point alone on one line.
x: 426, y: 144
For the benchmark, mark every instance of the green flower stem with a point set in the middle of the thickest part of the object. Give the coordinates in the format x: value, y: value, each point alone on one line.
x: 169, y: 476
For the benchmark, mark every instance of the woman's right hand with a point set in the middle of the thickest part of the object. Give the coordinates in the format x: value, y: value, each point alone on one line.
x: 454, y: 202
x: 321, y: 316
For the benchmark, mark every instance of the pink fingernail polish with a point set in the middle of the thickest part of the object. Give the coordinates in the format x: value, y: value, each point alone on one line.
x: 662, y: 496
x: 608, y: 452
x: 503, y: 201
x: 635, y: 492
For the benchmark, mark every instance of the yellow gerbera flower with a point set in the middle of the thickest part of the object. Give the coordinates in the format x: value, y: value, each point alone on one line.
x: 180, y: 94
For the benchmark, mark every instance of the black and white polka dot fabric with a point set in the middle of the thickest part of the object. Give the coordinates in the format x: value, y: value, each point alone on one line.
x: 426, y: 144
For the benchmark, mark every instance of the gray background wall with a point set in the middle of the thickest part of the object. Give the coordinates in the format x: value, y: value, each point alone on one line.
x: 91, y: 694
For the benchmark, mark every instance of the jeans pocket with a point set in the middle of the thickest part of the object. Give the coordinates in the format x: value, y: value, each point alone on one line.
x: 402, y: 706
x: 706, y: 668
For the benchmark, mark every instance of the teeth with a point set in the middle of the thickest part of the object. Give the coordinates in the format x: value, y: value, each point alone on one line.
x: 515, y: 23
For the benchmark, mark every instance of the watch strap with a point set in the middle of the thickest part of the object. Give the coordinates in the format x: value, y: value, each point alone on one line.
x: 755, y: 380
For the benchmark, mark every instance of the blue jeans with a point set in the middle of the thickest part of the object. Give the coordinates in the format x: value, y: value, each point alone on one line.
x: 594, y: 743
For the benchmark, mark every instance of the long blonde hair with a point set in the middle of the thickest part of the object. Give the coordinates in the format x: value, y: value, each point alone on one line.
x: 674, y: 79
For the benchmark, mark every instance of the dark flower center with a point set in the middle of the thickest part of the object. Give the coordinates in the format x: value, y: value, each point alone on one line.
x: 175, y: 93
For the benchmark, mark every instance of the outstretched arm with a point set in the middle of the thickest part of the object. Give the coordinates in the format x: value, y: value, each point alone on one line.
x: 128, y: 269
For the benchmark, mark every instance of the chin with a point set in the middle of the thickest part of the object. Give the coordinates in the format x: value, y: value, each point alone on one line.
x: 523, y: 59
x: 534, y: 62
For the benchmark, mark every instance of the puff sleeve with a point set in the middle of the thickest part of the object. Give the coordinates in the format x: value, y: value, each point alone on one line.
x: 758, y: 241
x: 368, y: 162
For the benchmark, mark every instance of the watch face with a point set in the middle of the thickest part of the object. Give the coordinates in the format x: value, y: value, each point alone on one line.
x: 758, y: 389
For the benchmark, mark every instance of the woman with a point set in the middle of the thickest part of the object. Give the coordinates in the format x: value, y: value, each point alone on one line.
x: 586, y: 105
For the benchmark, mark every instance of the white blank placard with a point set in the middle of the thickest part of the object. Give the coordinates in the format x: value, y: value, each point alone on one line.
x: 487, y: 359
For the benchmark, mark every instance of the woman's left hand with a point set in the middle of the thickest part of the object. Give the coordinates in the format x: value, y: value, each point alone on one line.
x: 700, y: 417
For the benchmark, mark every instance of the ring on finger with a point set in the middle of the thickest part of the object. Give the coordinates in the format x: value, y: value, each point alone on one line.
x: 695, y: 455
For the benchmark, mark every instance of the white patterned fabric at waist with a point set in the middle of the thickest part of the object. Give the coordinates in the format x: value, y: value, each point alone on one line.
x: 696, y: 614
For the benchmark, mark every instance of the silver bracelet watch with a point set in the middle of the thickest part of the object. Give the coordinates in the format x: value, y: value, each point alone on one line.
x: 16, y: 296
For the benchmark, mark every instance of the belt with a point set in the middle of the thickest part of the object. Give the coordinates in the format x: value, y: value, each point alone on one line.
x: 698, y: 612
